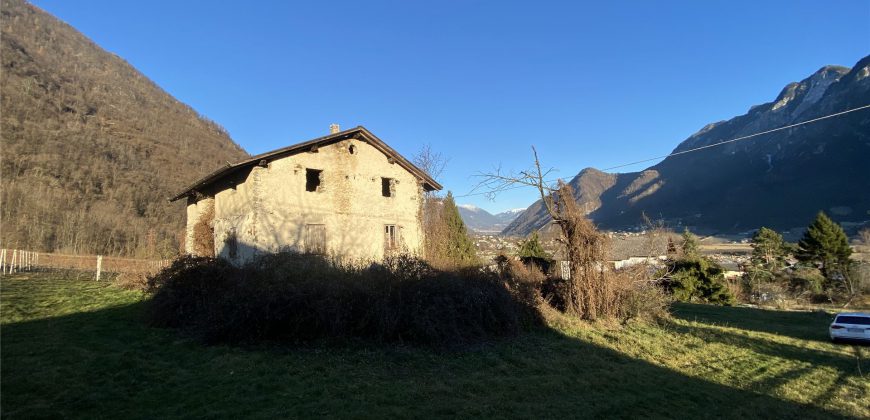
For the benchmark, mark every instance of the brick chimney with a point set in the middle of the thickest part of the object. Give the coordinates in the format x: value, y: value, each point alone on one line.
x: 334, y: 128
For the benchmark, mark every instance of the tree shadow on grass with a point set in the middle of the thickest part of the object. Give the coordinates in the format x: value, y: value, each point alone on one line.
x: 771, y: 348
x: 108, y: 363
x: 811, y: 326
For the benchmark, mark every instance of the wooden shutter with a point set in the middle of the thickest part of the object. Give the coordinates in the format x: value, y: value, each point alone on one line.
x: 315, y: 239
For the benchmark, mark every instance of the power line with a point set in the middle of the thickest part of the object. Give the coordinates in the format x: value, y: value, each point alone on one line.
x: 814, y: 120
x: 742, y: 138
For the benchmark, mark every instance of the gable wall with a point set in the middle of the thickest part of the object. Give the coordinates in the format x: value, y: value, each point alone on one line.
x: 196, y: 210
x: 269, y: 209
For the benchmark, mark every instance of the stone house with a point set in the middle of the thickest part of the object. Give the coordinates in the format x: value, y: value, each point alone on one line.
x: 347, y: 195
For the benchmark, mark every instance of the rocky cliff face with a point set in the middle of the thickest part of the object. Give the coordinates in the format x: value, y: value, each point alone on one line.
x: 778, y: 180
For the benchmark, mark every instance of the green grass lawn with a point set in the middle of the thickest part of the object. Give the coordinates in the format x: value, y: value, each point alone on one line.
x: 77, y: 348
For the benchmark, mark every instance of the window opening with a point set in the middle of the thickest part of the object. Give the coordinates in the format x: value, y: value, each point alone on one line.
x: 387, y: 187
x: 312, y: 179
x: 391, y: 237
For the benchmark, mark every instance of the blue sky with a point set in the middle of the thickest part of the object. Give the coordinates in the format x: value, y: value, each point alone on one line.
x: 589, y: 84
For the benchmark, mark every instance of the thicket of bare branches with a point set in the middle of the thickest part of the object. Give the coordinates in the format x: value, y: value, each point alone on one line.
x: 589, y: 294
x: 430, y: 161
x: 594, y: 290
x: 864, y: 237
x: 446, y: 244
x: 203, y: 233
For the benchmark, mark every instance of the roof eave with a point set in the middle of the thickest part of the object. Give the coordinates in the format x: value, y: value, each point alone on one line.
x: 425, y: 179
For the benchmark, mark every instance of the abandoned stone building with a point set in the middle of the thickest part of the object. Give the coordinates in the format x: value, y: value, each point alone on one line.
x: 347, y: 195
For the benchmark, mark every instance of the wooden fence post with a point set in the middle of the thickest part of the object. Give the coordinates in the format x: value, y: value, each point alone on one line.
x: 14, y: 260
x: 99, y: 265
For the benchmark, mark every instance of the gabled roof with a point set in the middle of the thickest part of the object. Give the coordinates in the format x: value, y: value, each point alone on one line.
x: 359, y: 133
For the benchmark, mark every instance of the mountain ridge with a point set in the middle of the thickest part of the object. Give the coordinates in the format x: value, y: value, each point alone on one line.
x: 778, y: 180
x: 480, y: 220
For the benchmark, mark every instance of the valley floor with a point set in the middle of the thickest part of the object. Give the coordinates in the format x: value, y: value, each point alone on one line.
x: 78, y: 348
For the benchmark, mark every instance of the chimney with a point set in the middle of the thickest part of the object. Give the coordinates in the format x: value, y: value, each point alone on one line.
x: 333, y: 128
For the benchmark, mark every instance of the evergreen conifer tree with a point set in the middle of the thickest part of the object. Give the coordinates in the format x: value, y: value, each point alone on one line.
x: 532, y: 247
x: 459, y: 248
x: 825, y: 243
x: 690, y: 245
x: 768, y: 249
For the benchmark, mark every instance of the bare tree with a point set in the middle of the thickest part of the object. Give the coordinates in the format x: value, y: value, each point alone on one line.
x: 658, y: 242
x: 431, y: 162
x: 864, y: 236
x: 435, y: 231
x: 587, y: 293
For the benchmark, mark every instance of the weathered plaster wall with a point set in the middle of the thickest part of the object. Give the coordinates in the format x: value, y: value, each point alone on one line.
x: 269, y: 209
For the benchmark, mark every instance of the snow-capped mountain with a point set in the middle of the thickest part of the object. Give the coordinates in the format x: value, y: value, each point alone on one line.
x: 482, y: 221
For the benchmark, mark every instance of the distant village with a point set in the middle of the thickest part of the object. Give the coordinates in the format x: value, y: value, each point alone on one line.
x: 627, y: 248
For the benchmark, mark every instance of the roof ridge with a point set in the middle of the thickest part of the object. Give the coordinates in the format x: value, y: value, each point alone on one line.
x: 253, y: 160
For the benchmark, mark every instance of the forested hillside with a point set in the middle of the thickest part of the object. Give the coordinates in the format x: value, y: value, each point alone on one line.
x: 91, y: 148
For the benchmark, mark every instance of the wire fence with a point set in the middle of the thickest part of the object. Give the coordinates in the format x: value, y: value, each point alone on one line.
x: 18, y: 260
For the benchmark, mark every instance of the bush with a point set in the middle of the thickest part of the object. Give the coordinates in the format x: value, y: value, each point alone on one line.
x: 639, y: 298
x: 525, y: 283
x: 301, y: 298
x: 697, y: 279
x: 861, y: 275
x: 131, y: 281
x: 805, y: 281
x: 630, y: 295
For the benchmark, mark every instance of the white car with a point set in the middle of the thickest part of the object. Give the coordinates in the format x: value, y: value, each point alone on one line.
x: 850, y: 326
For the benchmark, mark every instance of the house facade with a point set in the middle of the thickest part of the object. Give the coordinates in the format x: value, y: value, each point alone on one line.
x: 346, y: 195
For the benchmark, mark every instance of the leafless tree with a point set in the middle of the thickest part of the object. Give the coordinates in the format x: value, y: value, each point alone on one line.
x: 864, y: 236
x: 588, y: 294
x: 430, y: 161
x: 658, y: 241
x: 434, y: 230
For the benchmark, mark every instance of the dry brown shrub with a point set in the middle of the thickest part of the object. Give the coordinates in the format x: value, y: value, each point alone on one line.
x: 737, y: 288
x: 525, y: 283
x: 131, y: 281
x: 299, y: 298
x: 595, y: 290
x: 203, y: 233
x: 637, y: 295
x: 588, y: 289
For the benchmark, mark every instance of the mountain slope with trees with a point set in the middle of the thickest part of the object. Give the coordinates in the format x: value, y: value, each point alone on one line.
x: 778, y: 180
x: 91, y: 147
